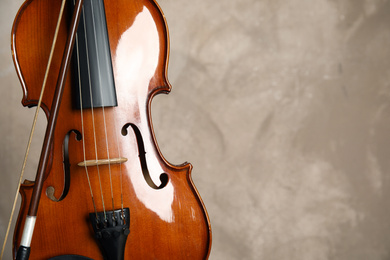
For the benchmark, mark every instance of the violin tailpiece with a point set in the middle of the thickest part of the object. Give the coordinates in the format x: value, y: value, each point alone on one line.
x: 111, y: 231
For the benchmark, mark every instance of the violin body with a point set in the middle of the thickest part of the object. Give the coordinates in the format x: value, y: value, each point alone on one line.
x: 109, y: 152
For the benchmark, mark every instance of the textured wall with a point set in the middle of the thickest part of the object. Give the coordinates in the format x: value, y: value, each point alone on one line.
x: 283, y: 107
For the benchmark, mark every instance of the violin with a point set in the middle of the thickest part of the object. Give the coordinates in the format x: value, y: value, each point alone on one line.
x: 103, y: 189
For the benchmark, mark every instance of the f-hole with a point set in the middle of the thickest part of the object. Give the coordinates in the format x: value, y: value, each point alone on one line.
x: 50, y: 190
x: 141, y: 154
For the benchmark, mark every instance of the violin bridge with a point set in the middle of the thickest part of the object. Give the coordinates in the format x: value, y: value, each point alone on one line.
x: 102, y: 162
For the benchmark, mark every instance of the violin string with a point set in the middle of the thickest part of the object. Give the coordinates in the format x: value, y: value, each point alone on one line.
x: 120, y: 171
x: 93, y: 116
x: 82, y: 120
x: 119, y: 153
x: 34, y: 123
x: 103, y: 111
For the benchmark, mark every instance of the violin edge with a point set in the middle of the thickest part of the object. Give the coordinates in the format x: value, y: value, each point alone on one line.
x: 25, y: 101
x: 186, y: 166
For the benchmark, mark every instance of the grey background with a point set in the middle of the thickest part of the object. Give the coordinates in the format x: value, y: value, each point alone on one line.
x: 283, y: 107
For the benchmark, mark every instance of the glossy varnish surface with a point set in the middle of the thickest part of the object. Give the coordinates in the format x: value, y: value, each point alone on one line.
x: 167, y: 223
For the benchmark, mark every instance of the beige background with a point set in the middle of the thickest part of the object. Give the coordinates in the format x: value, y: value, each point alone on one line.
x: 283, y: 107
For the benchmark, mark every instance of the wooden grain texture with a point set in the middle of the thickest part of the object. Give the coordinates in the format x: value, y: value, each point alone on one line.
x: 170, y: 223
